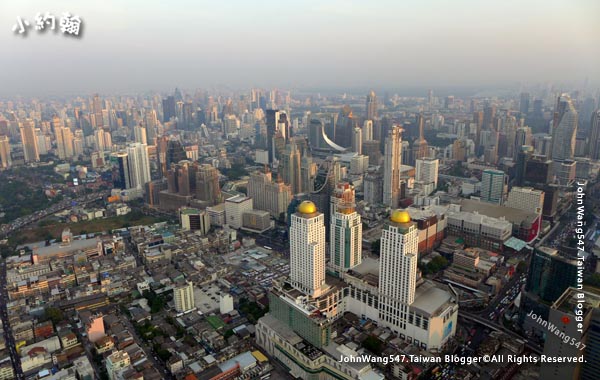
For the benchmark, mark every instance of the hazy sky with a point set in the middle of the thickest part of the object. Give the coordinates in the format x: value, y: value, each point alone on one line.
x: 132, y: 45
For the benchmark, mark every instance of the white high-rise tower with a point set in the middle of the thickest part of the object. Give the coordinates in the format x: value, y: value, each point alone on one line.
x: 397, y: 269
x: 139, y: 165
x: 307, y: 250
x: 391, y: 167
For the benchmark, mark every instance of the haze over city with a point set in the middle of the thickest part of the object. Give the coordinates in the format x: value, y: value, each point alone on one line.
x: 154, y: 45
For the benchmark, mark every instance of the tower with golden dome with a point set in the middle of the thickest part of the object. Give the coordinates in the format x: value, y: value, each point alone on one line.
x: 307, y: 250
x: 398, y: 261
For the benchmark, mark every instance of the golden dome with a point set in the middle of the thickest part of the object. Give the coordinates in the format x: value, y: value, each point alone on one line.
x: 400, y: 216
x: 307, y: 207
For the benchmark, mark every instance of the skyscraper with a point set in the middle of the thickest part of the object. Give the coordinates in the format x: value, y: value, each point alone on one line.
x: 564, y: 129
x: 64, y: 143
x: 277, y: 125
x: 571, y: 315
x: 97, y: 107
x: 290, y: 167
x: 367, y: 130
x: 5, y: 159
x: 120, y: 163
x: 183, y: 294
x: 526, y: 199
x: 308, y: 173
x: 267, y: 195
x: 169, y: 108
x: 371, y: 106
x: 346, y: 230
x: 139, y: 134
x: 594, y: 143
x: 357, y: 140
x: 420, y: 146
x: 391, y: 168
x: 207, y: 184
x: 522, y: 137
x: 29, y: 141
x: 494, y: 185
x: 397, y: 270
x: 307, y: 250
x: 139, y: 165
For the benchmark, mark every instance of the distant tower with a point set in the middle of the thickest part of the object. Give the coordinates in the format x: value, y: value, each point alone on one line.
x: 139, y: 165
x: 391, y: 167
x: 357, y: 140
x: 397, y: 269
x: 64, y: 143
x: 29, y: 141
x: 594, y: 144
x: 5, y: 160
x: 420, y: 147
x: 307, y: 250
x: 290, y: 167
x: 367, y: 130
x: 97, y: 108
x: 371, y: 113
x: 139, y: 134
x: 427, y: 170
x: 564, y: 129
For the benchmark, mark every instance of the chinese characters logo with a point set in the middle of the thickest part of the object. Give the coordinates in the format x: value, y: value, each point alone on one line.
x: 68, y: 24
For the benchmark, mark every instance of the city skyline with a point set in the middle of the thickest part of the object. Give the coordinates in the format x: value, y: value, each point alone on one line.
x: 464, y: 44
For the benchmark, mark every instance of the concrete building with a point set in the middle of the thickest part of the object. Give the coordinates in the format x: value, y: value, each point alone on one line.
x: 494, y: 186
x: 256, y: 221
x: 183, y: 295
x: 117, y: 362
x: 564, y: 129
x: 346, y: 236
x: 427, y: 170
x: 526, y: 199
x: 235, y: 207
x: 267, y: 195
x: 194, y: 220
x: 5, y: 158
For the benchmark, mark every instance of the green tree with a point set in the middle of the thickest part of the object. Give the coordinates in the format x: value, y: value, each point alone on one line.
x: 54, y: 314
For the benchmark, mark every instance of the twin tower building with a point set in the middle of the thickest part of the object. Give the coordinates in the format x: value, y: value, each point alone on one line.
x: 388, y: 291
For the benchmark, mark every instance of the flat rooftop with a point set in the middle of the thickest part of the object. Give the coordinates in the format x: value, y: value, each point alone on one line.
x: 430, y: 299
x: 512, y: 215
x: 75, y: 245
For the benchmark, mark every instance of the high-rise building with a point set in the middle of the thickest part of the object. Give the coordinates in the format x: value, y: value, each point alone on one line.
x: 594, y: 143
x: 494, y: 185
x: 120, y: 163
x: 169, y: 108
x: 308, y: 173
x: 570, y: 317
x: 522, y: 138
x: 391, y: 168
x: 427, y: 170
x: 267, y: 195
x: 277, y: 125
x: 367, y: 130
x: 139, y: 134
x: 64, y: 143
x: 420, y: 146
x: 489, y: 116
x: 5, y: 159
x: 398, y: 270
x: 371, y: 106
x: 357, y: 140
x: 290, y: 167
x: 139, y: 165
x: 183, y: 294
x: 346, y: 230
x: 564, y: 129
x: 591, y: 368
x: 550, y: 274
x: 207, y: 184
x: 29, y: 141
x: 307, y: 250
x: 235, y: 207
x: 97, y: 108
x: 526, y: 199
